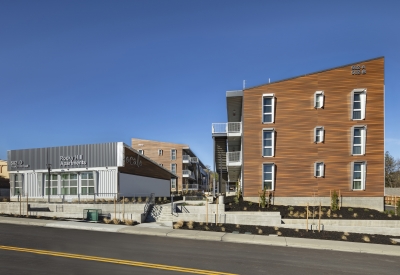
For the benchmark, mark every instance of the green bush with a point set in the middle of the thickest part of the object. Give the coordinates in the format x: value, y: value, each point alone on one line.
x: 366, y: 209
x: 250, y: 203
x: 263, y: 199
x: 236, y: 200
x: 350, y: 209
x: 290, y: 208
x: 334, y: 201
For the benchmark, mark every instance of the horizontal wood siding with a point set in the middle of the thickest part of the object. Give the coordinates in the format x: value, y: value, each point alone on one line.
x: 295, y: 120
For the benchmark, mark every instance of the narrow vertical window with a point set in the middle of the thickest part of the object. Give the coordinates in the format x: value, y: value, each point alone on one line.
x: 18, y: 179
x: 358, y: 177
x: 52, y: 188
x: 268, y: 149
x: 358, y: 140
x: 173, y: 183
x: 268, y: 176
x: 160, y: 152
x: 173, y: 168
x: 358, y: 102
x: 319, y: 134
x: 173, y: 154
x: 141, y: 151
x: 87, y: 183
x: 268, y: 108
x: 319, y: 169
x: 319, y: 99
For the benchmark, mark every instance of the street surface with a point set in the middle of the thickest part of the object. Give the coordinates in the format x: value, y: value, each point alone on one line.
x: 39, y: 250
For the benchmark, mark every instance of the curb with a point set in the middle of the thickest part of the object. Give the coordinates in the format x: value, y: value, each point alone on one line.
x: 353, y: 247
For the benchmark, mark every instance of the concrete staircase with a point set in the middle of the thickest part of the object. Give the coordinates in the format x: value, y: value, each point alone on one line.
x: 160, y: 214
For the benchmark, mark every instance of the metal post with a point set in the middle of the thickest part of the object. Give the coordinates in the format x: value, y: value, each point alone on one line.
x: 172, y: 204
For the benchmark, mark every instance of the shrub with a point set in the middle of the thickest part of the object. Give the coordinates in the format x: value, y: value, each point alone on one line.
x: 159, y: 199
x: 366, y: 239
x: 54, y: 218
x: 133, y: 200
x: 223, y: 229
x: 275, y: 208
x: 350, y: 209
x: 279, y: 233
x: 366, y: 209
x: 263, y: 198
x: 206, y: 228
x: 244, y: 208
x: 238, y: 226
x: 334, y: 201
x: 115, y: 221
x: 323, y: 209
x: 355, y: 215
x: 344, y: 238
x: 106, y: 220
x: 165, y: 198
x: 38, y: 217
x: 236, y: 200
x: 139, y: 199
x: 147, y: 199
x: 391, y: 212
x: 250, y: 203
x: 126, y: 200
x: 290, y: 208
x: 276, y: 228
x: 128, y: 222
x: 260, y: 231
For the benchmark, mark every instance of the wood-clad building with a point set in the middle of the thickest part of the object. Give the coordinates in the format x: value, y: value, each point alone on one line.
x: 179, y: 159
x: 306, y: 136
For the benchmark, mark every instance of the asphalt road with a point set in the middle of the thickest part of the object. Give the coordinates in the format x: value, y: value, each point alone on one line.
x: 168, y: 253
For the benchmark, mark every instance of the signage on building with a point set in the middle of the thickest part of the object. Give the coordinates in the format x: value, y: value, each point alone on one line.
x: 132, y: 161
x: 18, y: 164
x: 72, y: 160
x: 358, y: 69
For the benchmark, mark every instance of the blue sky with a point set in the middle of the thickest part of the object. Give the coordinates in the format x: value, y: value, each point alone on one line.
x: 81, y: 72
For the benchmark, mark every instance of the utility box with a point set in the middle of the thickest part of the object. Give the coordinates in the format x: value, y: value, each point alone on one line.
x: 91, y: 215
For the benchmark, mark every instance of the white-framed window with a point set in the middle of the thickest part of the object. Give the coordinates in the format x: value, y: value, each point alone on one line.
x: 69, y: 184
x: 358, y: 104
x: 319, y: 169
x: 18, y: 182
x: 319, y: 99
x: 173, y: 183
x: 161, y: 164
x: 87, y: 183
x: 268, y: 142
x: 319, y: 134
x: 173, y: 154
x: 173, y: 168
x: 141, y: 151
x: 53, y: 188
x: 160, y: 152
x: 358, y: 134
x: 268, y: 108
x: 359, y: 169
x: 268, y: 182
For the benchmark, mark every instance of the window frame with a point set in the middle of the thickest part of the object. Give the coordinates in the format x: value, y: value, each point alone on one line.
x: 160, y: 152
x: 141, y: 151
x: 316, y: 95
x: 363, y: 103
x: 272, y: 96
x: 53, y: 184
x: 363, y: 175
x: 322, y: 129
x: 321, y: 165
x: 272, y: 130
x: 363, y: 139
x: 85, y: 183
x: 173, y: 156
x: 272, y: 178
x: 67, y: 187
x: 173, y: 165
x: 18, y: 179
x: 173, y: 183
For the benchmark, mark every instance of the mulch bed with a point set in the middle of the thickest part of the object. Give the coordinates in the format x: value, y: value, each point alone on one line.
x: 299, y: 212
x: 287, y: 232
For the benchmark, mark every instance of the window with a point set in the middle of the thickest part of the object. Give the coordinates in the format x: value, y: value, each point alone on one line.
x: 69, y: 184
x: 87, y: 183
x: 160, y: 152
x: 173, y: 154
x: 268, y: 108
x: 161, y: 164
x: 268, y: 143
x: 268, y: 176
x: 358, y: 177
x: 173, y: 168
x: 18, y: 180
x: 319, y: 134
x: 319, y: 99
x: 319, y: 169
x: 141, y: 151
x: 173, y: 183
x: 52, y: 189
x: 358, y: 102
x: 358, y: 140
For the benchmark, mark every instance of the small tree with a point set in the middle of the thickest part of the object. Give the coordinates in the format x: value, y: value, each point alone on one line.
x: 334, y: 201
x: 392, y: 171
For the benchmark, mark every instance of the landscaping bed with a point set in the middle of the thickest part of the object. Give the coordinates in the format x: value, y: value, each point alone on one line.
x: 299, y: 212
x: 287, y: 232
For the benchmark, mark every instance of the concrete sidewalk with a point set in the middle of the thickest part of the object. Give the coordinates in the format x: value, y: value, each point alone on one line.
x: 154, y: 229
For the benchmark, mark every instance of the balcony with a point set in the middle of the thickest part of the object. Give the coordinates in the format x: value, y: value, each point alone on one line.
x: 186, y: 159
x: 190, y: 187
x: 234, y: 158
x: 230, y: 128
x: 188, y: 174
x: 194, y: 160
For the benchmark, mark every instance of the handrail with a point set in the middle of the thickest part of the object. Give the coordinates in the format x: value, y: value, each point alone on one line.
x: 148, y: 205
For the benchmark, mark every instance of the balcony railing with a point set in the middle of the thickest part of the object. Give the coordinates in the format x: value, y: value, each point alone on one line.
x: 188, y: 174
x: 194, y: 160
x: 190, y: 187
x: 234, y: 158
x: 186, y: 159
x: 230, y: 128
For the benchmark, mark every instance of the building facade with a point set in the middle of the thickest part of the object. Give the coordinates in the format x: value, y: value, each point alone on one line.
x: 102, y: 171
x: 305, y: 137
x: 191, y: 173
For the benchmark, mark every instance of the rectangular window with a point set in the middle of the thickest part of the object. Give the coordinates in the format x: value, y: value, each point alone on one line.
x: 87, y: 183
x: 358, y: 140
x: 268, y: 143
x: 319, y: 134
x: 18, y: 180
x: 161, y: 164
x: 53, y: 184
x: 268, y: 108
x: 69, y: 184
x: 319, y: 99
x: 173, y: 183
x: 141, y: 151
x: 173, y: 168
x: 358, y: 177
x: 358, y: 104
x: 160, y: 152
x: 268, y: 176
x: 173, y: 154
x: 319, y: 169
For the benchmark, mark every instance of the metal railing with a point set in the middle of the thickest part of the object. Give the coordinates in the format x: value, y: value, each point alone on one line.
x: 186, y: 158
x: 148, y: 205
x: 194, y: 160
x: 190, y: 187
x: 233, y: 157
x: 230, y: 128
